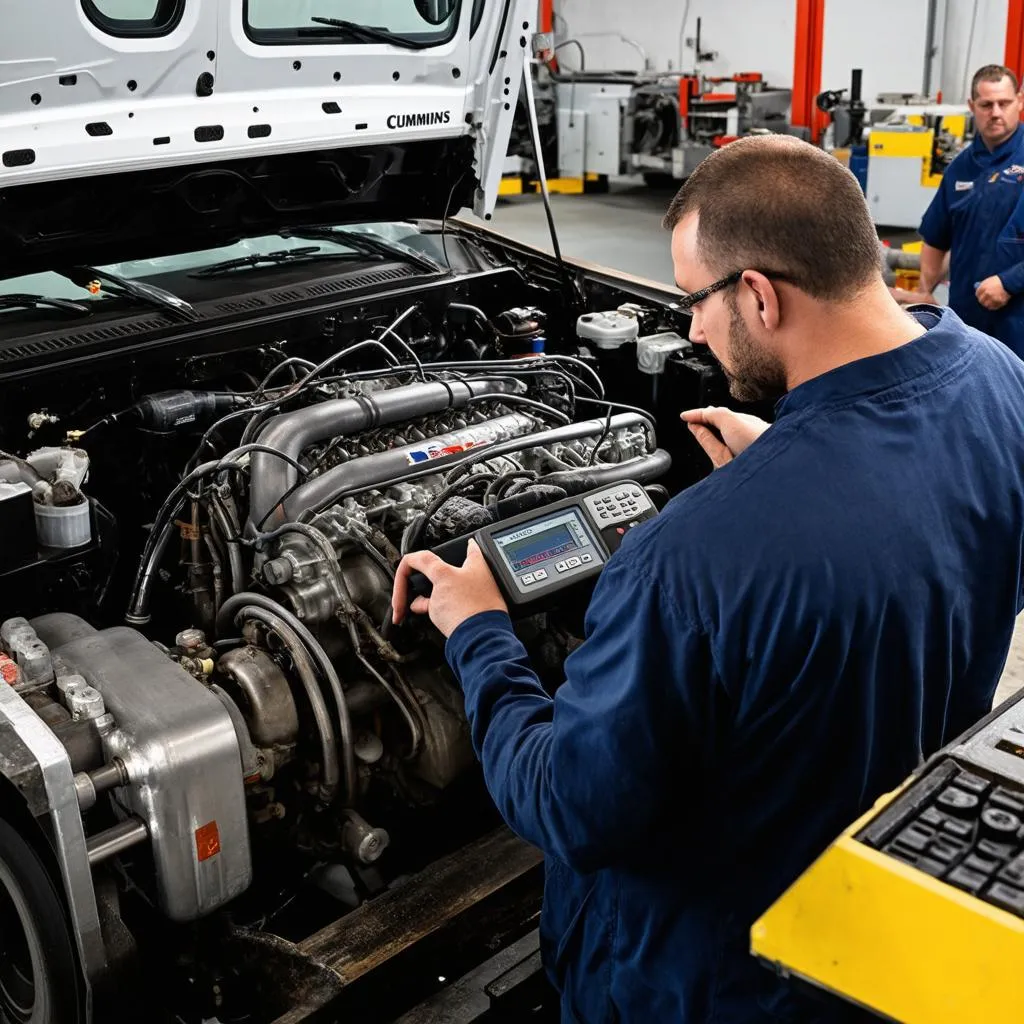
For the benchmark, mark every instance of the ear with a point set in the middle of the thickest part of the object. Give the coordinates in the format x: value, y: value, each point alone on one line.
x: 767, y: 298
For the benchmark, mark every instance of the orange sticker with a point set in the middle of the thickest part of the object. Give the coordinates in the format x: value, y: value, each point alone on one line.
x: 188, y: 531
x: 95, y: 287
x: 207, y: 841
x: 8, y: 671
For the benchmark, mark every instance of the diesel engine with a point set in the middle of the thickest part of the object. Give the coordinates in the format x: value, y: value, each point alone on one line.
x: 255, y: 712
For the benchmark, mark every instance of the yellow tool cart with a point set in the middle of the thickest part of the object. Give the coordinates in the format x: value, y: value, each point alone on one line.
x: 907, y: 156
x: 916, y: 912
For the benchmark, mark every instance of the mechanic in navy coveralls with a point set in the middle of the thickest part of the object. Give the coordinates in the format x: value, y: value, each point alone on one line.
x: 788, y: 638
x: 977, y: 216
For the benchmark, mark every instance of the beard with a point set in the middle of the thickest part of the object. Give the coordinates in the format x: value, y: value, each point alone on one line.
x: 755, y: 375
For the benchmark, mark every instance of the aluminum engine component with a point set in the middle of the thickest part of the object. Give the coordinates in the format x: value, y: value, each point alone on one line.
x: 63, y: 821
x: 307, y: 579
x: 268, y: 705
x: 292, y: 432
x: 438, y: 451
x: 653, y: 351
x: 179, y: 749
x: 84, y: 701
x: 20, y: 641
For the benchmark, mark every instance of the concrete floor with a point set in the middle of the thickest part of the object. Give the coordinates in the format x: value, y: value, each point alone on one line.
x: 622, y: 230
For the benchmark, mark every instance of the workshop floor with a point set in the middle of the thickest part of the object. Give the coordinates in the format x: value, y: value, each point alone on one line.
x: 622, y: 229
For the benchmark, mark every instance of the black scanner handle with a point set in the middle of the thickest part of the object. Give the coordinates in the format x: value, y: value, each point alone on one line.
x: 453, y: 552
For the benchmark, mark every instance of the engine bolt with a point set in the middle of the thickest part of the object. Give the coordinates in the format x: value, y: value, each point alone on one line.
x: 278, y: 571
x: 190, y: 639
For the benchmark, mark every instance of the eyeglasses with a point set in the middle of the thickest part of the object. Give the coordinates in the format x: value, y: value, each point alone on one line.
x: 688, y: 301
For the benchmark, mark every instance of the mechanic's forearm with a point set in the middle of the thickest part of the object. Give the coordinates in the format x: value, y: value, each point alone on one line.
x: 509, y: 716
x: 933, y: 268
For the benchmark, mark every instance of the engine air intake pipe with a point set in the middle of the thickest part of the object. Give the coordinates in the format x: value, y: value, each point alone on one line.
x: 371, y: 467
x: 293, y: 432
x: 440, y: 452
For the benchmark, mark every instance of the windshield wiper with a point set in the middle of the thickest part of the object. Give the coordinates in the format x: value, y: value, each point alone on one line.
x: 363, y: 33
x: 370, y: 244
x: 305, y: 253
x: 21, y: 300
x: 125, y: 288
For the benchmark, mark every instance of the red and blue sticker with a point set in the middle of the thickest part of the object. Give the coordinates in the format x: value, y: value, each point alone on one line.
x: 429, y: 454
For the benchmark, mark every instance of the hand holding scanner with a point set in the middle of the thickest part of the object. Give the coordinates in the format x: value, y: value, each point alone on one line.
x: 537, y: 555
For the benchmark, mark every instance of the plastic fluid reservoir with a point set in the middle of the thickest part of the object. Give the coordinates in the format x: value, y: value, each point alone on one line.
x: 67, y: 526
x: 610, y: 330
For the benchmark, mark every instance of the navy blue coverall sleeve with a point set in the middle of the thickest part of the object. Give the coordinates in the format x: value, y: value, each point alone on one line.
x: 937, y: 224
x: 1013, y: 278
x: 583, y: 775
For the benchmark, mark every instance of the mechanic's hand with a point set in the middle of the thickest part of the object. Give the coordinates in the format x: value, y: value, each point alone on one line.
x: 736, y: 431
x: 907, y: 298
x: 458, y: 594
x: 991, y: 293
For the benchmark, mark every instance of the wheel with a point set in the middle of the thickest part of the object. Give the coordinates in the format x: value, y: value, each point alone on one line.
x: 38, y: 968
x: 658, y: 181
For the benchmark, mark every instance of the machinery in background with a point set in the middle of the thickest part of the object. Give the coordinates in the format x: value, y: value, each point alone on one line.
x: 898, y: 149
x: 916, y: 911
x: 600, y: 124
x: 581, y: 117
x: 676, y: 120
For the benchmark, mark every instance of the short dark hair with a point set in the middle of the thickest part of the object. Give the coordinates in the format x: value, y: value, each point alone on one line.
x: 774, y: 203
x: 992, y: 73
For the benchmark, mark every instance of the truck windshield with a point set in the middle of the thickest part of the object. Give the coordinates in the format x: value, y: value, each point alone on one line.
x: 412, y: 23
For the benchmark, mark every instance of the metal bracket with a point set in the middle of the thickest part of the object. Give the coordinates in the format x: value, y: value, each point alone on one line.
x: 64, y: 820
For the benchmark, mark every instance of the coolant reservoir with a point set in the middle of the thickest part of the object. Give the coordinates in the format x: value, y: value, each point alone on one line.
x: 610, y: 330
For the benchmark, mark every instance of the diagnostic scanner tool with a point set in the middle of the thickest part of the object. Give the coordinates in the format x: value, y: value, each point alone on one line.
x: 536, y: 555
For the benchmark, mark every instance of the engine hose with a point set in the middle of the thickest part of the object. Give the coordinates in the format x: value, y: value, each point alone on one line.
x: 235, y: 561
x: 290, y: 361
x: 293, y: 432
x: 415, y: 729
x: 246, y: 599
x: 413, y: 533
x: 159, y: 537
x: 465, y: 460
x: 641, y: 469
x: 305, y: 670
x: 572, y: 432
x: 300, y: 385
x: 548, y: 362
x: 364, y: 473
x: 138, y: 610
x: 218, y: 572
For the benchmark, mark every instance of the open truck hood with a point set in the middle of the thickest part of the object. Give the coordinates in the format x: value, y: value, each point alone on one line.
x: 125, y: 139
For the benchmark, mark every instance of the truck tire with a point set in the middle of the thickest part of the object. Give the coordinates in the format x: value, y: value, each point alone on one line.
x: 38, y: 967
x: 658, y: 181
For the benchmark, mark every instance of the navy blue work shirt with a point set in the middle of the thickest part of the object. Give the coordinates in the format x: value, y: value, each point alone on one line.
x: 777, y: 648
x: 978, y: 214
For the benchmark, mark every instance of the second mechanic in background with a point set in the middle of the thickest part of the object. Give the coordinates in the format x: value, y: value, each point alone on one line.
x: 977, y: 217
